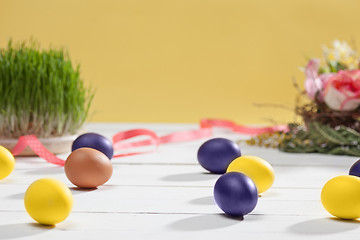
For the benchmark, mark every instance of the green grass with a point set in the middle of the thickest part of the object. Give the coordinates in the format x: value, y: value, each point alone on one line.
x: 41, y: 92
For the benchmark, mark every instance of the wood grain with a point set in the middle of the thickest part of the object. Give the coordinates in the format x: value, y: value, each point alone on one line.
x: 167, y: 195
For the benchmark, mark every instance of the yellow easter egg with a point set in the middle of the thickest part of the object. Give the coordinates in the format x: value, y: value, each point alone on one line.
x: 340, y: 196
x: 48, y: 201
x: 259, y: 170
x: 7, y: 162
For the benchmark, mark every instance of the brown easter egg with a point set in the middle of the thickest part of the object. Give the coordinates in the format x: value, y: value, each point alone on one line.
x: 88, y: 168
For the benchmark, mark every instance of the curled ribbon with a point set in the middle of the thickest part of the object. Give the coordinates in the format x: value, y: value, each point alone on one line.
x: 205, y: 130
x: 33, y: 142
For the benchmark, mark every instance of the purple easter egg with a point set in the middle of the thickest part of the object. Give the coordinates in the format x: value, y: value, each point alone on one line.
x: 95, y: 141
x: 355, y: 169
x: 216, y: 154
x: 235, y: 194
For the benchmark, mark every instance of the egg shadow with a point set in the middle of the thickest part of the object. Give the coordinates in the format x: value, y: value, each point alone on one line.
x: 77, y: 190
x: 323, y: 226
x: 189, y: 177
x: 17, y: 196
x: 204, y: 222
x: 203, y: 201
x: 19, y: 230
x: 29, y: 159
x: 51, y: 170
x: 270, y: 193
x: 7, y: 180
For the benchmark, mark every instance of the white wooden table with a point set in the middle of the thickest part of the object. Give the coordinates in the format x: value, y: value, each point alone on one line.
x: 167, y: 195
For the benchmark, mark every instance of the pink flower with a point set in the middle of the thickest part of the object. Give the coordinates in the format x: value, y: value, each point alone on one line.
x: 314, y: 82
x: 342, y: 91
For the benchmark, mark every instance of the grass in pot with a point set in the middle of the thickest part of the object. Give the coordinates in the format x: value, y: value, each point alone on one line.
x: 42, y: 94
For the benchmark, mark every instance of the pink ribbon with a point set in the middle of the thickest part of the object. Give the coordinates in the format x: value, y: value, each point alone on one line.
x: 33, y: 142
x: 205, y: 130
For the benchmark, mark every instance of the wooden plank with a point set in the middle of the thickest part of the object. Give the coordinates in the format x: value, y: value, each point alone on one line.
x: 185, y: 153
x: 167, y: 195
x: 141, y: 199
x: 177, y: 226
x: 177, y: 175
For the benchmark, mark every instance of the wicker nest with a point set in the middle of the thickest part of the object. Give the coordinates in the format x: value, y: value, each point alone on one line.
x: 319, y: 112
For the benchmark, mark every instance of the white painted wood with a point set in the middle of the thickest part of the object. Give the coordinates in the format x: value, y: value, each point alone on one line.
x: 177, y: 226
x: 167, y: 195
x: 182, y: 200
x: 179, y: 175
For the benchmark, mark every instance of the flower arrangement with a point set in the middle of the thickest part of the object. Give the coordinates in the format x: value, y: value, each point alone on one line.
x: 41, y: 92
x: 331, y: 116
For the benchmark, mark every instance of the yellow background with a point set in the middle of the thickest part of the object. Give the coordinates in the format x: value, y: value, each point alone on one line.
x: 182, y: 60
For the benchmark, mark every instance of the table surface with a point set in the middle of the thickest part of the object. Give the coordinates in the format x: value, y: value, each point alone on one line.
x: 167, y: 195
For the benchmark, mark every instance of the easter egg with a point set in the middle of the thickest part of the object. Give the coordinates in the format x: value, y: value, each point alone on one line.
x: 340, y: 196
x: 7, y: 162
x: 88, y: 168
x: 355, y: 169
x: 216, y: 154
x: 259, y: 170
x: 96, y: 141
x: 48, y: 201
x: 235, y: 194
